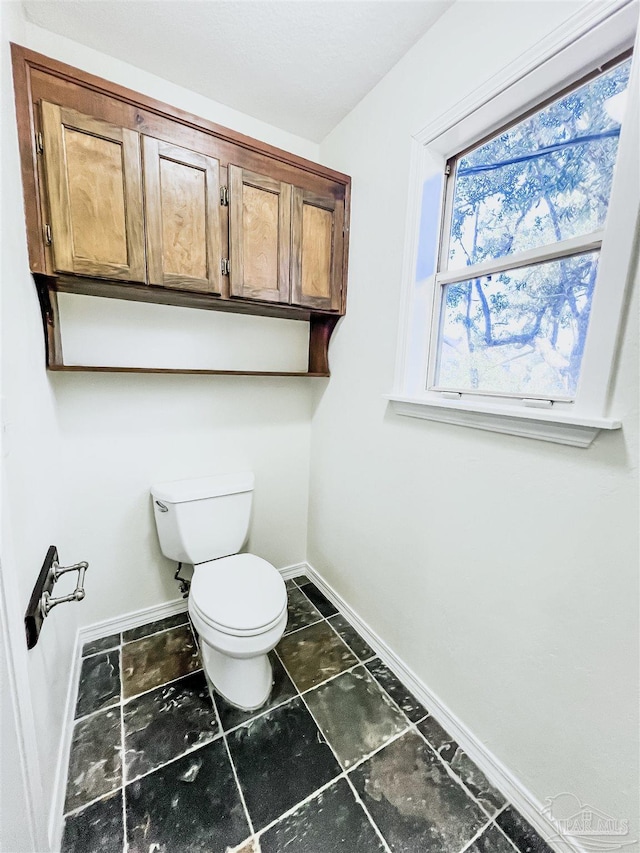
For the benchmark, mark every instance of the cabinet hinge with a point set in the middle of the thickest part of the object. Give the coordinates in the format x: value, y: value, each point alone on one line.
x: 224, y: 196
x: 225, y: 266
x: 47, y: 235
x: 39, y: 143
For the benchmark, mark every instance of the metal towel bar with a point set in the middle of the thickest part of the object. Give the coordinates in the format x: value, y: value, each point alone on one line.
x: 42, y: 602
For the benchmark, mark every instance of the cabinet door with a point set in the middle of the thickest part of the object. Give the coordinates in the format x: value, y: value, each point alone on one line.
x: 259, y: 236
x: 317, y: 249
x: 182, y: 199
x: 94, y: 182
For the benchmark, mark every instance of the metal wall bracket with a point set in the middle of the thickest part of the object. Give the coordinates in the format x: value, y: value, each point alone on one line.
x: 41, y: 602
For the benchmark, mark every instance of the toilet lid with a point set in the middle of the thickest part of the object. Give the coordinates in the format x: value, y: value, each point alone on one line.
x: 238, y: 593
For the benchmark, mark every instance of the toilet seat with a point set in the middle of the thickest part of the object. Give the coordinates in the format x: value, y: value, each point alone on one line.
x: 219, y: 595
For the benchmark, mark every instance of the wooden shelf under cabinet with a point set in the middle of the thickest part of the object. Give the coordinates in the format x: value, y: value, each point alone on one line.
x: 321, y: 326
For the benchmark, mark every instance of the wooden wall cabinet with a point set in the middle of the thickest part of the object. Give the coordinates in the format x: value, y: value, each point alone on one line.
x: 130, y: 198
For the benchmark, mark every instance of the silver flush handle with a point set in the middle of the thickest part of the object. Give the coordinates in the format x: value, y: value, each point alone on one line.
x: 162, y: 507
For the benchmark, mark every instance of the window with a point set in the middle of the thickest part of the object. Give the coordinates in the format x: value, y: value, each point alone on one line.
x: 519, y: 255
x: 522, y: 253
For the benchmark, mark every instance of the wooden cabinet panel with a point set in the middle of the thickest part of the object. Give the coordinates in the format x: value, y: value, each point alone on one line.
x: 317, y: 250
x: 94, y: 183
x: 259, y: 236
x: 182, y: 198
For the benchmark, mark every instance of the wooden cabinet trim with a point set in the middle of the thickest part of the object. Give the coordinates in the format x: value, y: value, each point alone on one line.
x: 33, y: 60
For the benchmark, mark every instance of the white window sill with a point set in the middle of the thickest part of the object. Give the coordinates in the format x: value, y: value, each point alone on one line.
x: 545, y: 425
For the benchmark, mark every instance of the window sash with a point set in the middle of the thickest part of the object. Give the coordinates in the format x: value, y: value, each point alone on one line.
x: 553, y: 251
x: 451, y: 167
x: 564, y: 249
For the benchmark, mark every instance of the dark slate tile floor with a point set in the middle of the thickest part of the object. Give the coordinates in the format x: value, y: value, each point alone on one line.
x: 342, y: 758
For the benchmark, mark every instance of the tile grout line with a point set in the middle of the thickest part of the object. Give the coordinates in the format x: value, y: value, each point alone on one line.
x: 99, y: 652
x: 376, y: 829
x: 488, y: 826
x: 95, y: 713
x: 129, y: 699
x: 506, y: 806
x: 473, y: 839
x: 76, y: 721
x: 223, y: 734
x: 231, y: 762
x: 154, y: 633
x: 79, y: 809
x: 344, y: 771
x: 375, y: 826
x: 457, y: 778
x: 162, y: 766
x: 302, y: 627
x: 124, y: 642
x: 113, y: 700
x: 309, y: 798
x: 363, y: 661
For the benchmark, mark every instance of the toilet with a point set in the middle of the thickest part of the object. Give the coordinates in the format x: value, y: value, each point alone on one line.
x: 237, y: 602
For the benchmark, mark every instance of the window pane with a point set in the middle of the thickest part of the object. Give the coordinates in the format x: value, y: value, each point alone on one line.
x: 546, y: 179
x: 518, y: 332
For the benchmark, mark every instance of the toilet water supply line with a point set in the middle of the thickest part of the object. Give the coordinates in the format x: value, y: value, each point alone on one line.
x: 184, y: 584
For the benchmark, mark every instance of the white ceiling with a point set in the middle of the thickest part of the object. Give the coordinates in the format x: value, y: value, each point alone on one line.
x: 300, y: 65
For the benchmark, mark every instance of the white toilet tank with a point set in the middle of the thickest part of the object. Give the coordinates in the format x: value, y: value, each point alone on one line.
x: 204, y: 518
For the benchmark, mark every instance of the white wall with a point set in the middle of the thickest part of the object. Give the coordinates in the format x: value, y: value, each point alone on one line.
x: 83, y: 449
x: 15, y: 835
x: 503, y: 571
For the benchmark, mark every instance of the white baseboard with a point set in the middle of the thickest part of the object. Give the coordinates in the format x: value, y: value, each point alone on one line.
x: 294, y: 570
x: 498, y: 775
x: 132, y: 620
x: 64, y: 749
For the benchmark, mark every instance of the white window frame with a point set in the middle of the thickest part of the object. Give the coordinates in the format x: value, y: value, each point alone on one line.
x: 597, y: 34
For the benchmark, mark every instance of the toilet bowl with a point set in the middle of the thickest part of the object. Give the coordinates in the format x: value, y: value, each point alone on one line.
x: 238, y: 606
x: 237, y: 602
